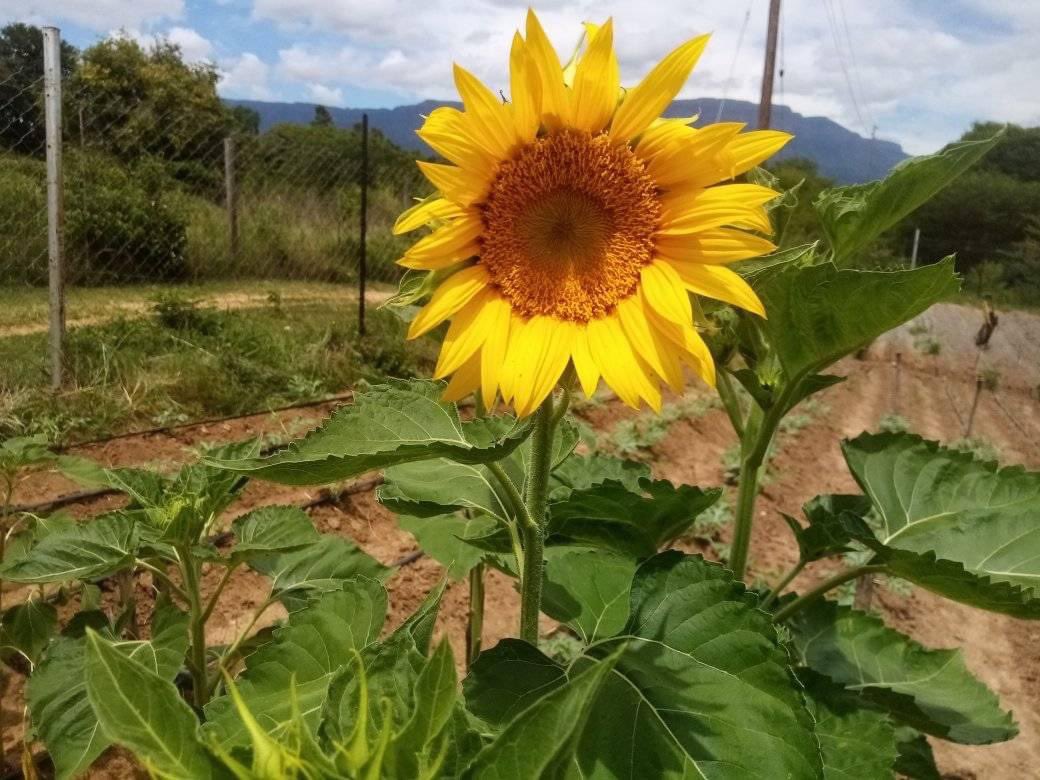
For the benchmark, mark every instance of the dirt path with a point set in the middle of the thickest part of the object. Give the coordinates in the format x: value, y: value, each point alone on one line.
x: 223, y: 302
x: 932, y: 394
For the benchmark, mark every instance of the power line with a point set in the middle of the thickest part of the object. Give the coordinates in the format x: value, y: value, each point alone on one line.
x: 832, y: 23
x: 733, y: 64
x: 856, y: 72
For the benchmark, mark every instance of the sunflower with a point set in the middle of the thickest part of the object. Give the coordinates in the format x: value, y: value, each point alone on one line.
x: 571, y: 223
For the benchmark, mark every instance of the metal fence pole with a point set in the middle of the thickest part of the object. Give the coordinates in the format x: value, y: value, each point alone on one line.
x: 231, y: 196
x: 55, y: 201
x: 363, y: 250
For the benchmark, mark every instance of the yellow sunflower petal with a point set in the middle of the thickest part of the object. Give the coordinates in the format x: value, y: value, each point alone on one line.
x: 660, y: 137
x: 683, y: 159
x: 454, y: 293
x: 467, y: 333
x: 465, y: 381
x: 741, y: 154
x: 584, y: 366
x: 720, y: 283
x: 446, y: 130
x: 495, y: 346
x: 653, y: 352
x: 691, y: 346
x: 618, y: 364
x: 456, y: 184
x: 425, y: 211
x: 539, y: 351
x: 489, y: 115
x: 692, y: 211
x: 525, y: 91
x: 445, y: 246
x: 555, y: 101
x: 645, y: 102
x: 714, y: 247
x: 665, y: 292
x: 596, y: 82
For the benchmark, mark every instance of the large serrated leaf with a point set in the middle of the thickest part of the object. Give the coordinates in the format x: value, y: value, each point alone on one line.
x: 271, y: 529
x: 699, y: 687
x: 27, y: 628
x: 57, y: 696
x: 818, y: 314
x: 979, y: 521
x: 930, y: 690
x: 144, y: 712
x: 79, y: 551
x: 588, y: 590
x: 388, y: 424
x: 307, y: 651
x: 434, y: 486
x: 443, y: 538
x: 855, y: 215
x: 299, y: 574
x: 857, y: 742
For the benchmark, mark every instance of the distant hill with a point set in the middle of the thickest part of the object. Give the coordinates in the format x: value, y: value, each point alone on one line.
x: 841, y: 154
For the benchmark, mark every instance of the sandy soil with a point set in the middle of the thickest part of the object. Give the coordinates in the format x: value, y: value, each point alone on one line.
x: 933, y: 392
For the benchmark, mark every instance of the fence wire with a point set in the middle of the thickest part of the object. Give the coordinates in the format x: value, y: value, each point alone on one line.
x: 167, y: 183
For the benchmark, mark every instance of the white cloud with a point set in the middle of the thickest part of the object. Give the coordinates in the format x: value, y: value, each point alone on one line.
x: 246, y: 76
x: 326, y: 96
x: 97, y: 15
x: 193, y: 46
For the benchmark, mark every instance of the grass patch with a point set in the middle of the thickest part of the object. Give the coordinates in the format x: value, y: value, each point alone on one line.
x: 184, y: 362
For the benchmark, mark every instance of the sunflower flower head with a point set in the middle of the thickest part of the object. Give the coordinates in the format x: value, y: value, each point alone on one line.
x: 572, y: 222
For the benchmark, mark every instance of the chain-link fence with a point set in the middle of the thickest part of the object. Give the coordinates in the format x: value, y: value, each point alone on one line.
x: 165, y: 184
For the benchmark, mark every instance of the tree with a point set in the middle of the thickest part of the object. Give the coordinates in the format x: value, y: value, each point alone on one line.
x: 244, y: 120
x: 21, y: 87
x: 1017, y: 155
x: 322, y: 117
x: 137, y: 102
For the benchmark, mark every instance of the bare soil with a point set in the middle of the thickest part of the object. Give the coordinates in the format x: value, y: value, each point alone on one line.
x: 932, y: 392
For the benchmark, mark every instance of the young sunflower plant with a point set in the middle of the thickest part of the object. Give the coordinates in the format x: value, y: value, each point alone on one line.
x: 570, y: 225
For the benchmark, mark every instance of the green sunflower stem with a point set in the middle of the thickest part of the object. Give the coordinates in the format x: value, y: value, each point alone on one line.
x: 533, y: 525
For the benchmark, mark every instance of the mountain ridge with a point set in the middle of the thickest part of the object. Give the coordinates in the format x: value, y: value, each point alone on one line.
x: 838, y: 152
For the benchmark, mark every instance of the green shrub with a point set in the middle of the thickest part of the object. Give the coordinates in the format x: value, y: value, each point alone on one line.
x: 120, y: 226
x: 23, y: 220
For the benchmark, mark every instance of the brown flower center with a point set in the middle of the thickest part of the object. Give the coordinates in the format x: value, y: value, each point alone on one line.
x: 568, y: 224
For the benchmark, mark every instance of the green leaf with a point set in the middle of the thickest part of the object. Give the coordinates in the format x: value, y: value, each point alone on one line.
x: 434, y: 486
x: 700, y: 686
x: 930, y: 690
x: 21, y: 451
x: 388, y: 424
x: 835, y: 521
x: 420, y: 624
x: 435, y: 696
x: 541, y: 741
x: 819, y: 314
x: 271, y: 529
x: 315, y: 643
x: 915, y: 761
x: 145, y: 713
x: 507, y: 679
x: 588, y: 590
x: 612, y: 517
x: 27, y: 628
x: 857, y: 742
x: 83, y: 551
x: 297, y: 575
x: 57, y: 697
x: 855, y: 215
x: 936, y: 503
x: 443, y: 538
x: 581, y: 472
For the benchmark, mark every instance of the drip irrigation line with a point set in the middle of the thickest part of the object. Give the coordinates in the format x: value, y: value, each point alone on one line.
x: 168, y: 429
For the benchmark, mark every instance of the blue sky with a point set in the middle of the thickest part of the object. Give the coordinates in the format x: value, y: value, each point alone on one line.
x: 918, y: 70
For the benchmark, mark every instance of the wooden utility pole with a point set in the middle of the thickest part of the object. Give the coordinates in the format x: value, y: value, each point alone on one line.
x: 765, y: 103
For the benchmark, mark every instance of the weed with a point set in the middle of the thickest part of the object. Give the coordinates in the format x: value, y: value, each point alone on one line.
x: 638, y: 435
x: 980, y: 448
x: 893, y: 423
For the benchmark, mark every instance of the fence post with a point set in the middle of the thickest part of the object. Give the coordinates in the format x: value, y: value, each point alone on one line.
x: 55, y: 202
x: 231, y: 196
x: 363, y: 226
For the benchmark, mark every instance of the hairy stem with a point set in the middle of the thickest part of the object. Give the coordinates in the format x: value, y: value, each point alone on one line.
x: 758, y: 434
x: 192, y: 587
x: 475, y: 624
x: 828, y: 584
x: 533, y: 528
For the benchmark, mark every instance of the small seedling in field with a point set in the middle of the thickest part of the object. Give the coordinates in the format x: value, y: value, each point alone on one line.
x: 978, y: 447
x: 893, y: 423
